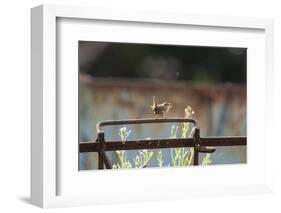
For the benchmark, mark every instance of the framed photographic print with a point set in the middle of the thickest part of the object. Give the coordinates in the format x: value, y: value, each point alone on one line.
x: 146, y: 105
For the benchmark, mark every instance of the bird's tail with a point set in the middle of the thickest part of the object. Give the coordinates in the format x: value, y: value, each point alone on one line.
x: 154, y: 102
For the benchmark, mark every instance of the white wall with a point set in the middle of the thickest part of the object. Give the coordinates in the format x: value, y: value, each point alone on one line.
x: 15, y: 98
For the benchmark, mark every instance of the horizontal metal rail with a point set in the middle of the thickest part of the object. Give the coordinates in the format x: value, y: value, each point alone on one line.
x: 163, y: 143
x: 144, y: 121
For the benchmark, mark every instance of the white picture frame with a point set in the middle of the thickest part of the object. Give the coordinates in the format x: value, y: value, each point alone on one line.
x: 47, y: 164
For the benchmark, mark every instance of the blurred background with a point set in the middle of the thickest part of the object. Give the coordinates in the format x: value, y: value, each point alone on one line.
x: 118, y: 81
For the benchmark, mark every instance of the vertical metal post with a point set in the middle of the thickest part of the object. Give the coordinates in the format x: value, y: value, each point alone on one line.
x: 100, y: 147
x: 196, y: 138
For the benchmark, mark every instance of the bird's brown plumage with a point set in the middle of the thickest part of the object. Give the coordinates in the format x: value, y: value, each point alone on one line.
x: 160, y: 109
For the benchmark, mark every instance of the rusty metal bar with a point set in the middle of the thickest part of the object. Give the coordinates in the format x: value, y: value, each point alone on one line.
x: 223, y: 141
x: 163, y: 143
x: 143, y: 121
x: 196, y: 158
x: 100, y: 148
x: 200, y: 145
x: 100, y: 160
x: 196, y: 139
x: 106, y: 160
x: 103, y: 159
x: 198, y: 148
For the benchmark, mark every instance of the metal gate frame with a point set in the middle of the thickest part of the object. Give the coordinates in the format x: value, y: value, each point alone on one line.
x: 200, y: 145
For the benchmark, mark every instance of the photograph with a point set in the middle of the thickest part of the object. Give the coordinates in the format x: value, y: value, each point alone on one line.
x: 157, y: 104
x: 161, y: 105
